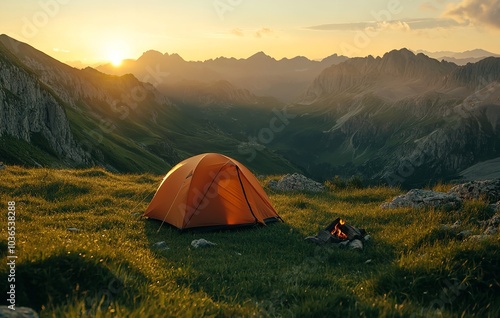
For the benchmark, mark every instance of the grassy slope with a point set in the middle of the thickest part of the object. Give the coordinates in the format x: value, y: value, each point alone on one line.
x: 111, y: 267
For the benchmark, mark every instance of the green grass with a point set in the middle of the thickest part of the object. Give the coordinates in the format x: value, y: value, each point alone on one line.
x: 413, y: 267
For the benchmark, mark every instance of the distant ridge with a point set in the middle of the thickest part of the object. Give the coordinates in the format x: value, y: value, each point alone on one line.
x: 260, y: 73
x: 460, y: 58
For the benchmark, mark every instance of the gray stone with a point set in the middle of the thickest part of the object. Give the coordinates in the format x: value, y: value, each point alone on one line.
x: 20, y: 312
x: 272, y: 184
x: 487, y: 189
x: 417, y: 198
x: 161, y: 245
x: 464, y: 234
x: 28, y: 109
x: 491, y: 230
x: 355, y: 245
x: 494, y: 221
x: 201, y: 243
x: 296, y: 182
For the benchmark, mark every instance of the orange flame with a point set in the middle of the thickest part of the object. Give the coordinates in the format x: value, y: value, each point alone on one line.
x: 338, y: 232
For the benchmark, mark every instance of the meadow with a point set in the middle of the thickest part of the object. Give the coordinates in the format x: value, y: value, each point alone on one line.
x: 84, y: 251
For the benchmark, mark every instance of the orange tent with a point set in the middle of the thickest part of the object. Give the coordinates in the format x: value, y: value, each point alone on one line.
x: 210, y: 190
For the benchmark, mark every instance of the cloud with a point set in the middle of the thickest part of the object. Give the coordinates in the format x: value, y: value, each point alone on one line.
x: 238, y: 32
x: 478, y: 12
x: 389, y: 26
x: 263, y: 32
x: 404, y: 25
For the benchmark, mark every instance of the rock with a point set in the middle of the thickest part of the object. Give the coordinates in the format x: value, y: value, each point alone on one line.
x: 487, y: 189
x: 464, y: 234
x: 355, y: 245
x: 201, y: 243
x: 73, y: 229
x: 20, y: 312
x: 296, y: 182
x: 491, y: 230
x: 494, y: 221
x: 417, y: 198
x: 28, y: 110
x: 272, y: 184
x: 161, y: 245
x: 491, y: 225
x: 2, y: 166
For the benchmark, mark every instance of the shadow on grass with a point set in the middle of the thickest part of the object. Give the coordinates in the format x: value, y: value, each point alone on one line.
x: 271, y: 267
x: 468, y: 283
x: 59, y: 279
x: 54, y: 190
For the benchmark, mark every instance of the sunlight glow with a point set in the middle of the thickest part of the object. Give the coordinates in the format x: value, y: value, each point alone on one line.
x: 115, y: 51
x: 116, y: 58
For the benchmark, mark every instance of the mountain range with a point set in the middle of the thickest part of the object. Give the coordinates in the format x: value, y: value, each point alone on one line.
x: 260, y: 73
x: 460, y: 58
x: 402, y: 118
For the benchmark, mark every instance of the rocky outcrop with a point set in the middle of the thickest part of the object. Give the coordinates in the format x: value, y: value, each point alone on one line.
x: 20, y: 312
x: 27, y: 107
x: 296, y: 182
x: 72, y: 117
x: 474, y: 190
x: 417, y: 198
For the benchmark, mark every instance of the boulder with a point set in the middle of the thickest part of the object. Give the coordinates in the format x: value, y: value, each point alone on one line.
x: 418, y: 198
x: 296, y: 182
x: 202, y: 243
x: 487, y: 189
x: 20, y: 312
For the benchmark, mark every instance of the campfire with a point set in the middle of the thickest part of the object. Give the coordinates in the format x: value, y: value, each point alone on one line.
x: 337, y: 229
x: 338, y: 232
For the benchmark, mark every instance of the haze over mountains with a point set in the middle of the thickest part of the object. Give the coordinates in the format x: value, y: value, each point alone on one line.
x: 260, y: 73
x: 460, y: 58
x: 401, y: 118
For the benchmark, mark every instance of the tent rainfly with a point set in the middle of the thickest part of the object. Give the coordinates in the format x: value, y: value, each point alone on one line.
x: 210, y: 190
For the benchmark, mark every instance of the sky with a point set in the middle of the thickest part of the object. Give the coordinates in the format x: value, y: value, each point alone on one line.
x: 95, y: 31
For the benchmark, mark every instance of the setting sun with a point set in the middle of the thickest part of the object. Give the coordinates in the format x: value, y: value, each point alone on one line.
x: 115, y: 58
x: 115, y: 51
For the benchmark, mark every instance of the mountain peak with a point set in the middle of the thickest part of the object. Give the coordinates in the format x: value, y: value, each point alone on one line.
x: 404, y: 52
x: 151, y: 55
x: 175, y: 57
x: 260, y: 56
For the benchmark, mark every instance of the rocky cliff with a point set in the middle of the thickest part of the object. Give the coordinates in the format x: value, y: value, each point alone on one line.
x: 397, y: 74
x: 28, y: 107
x: 405, y: 118
x: 77, y: 117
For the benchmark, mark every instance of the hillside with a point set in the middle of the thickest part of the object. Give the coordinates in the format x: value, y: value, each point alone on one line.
x: 83, y: 250
x: 402, y: 118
